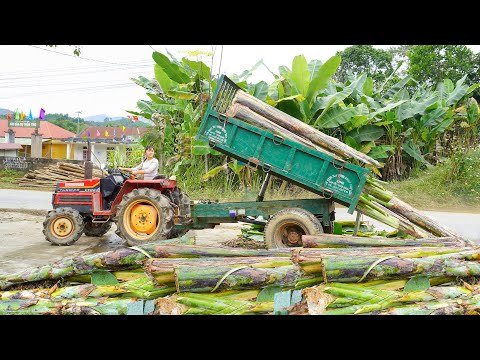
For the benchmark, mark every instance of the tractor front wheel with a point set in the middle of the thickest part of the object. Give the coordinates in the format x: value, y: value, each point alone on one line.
x: 144, y: 215
x: 63, y: 226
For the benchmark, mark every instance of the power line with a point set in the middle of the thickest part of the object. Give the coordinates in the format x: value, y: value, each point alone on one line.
x: 88, y: 88
x: 77, y: 57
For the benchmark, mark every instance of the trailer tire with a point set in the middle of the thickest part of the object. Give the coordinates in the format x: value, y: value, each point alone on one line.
x: 286, y: 227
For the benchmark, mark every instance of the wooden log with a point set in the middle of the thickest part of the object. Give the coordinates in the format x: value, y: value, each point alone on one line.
x: 298, y: 127
x: 330, y: 241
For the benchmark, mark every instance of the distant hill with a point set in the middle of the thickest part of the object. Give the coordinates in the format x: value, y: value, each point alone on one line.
x: 101, y: 118
x: 4, y: 111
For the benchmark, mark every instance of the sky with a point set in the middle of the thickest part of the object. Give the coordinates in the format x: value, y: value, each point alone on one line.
x: 98, y: 82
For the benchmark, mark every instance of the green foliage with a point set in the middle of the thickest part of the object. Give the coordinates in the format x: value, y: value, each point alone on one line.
x: 10, y: 176
x: 433, y: 63
x: 359, y: 59
x: 102, y: 277
x: 417, y: 283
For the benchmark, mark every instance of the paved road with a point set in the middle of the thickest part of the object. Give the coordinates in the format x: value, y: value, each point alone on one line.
x: 465, y: 224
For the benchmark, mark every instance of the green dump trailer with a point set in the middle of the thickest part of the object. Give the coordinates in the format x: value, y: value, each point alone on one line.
x: 334, y: 180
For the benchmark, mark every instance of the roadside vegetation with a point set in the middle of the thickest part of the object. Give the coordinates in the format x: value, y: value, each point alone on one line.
x: 416, y: 114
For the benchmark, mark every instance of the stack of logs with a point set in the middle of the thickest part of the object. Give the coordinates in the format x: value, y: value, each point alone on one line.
x: 48, y: 177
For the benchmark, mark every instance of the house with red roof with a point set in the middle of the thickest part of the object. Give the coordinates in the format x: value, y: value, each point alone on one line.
x: 54, y: 139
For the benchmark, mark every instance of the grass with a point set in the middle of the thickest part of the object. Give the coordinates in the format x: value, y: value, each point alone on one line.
x: 453, y: 185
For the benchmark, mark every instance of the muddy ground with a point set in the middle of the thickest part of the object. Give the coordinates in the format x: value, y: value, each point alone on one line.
x: 23, y: 245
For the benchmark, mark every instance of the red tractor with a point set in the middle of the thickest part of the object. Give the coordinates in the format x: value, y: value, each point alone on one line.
x: 143, y: 210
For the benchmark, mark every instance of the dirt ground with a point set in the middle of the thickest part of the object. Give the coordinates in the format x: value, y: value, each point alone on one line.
x: 23, y: 245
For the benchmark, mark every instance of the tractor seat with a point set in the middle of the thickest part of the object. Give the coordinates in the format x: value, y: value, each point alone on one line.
x: 159, y: 176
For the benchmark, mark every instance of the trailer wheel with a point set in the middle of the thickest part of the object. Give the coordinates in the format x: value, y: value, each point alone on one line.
x: 63, y: 226
x: 286, y: 227
x: 97, y: 229
x: 144, y: 215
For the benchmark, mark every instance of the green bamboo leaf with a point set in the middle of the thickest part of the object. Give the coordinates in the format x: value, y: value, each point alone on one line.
x: 171, y: 69
x: 102, y: 277
x: 417, y: 283
x: 341, y: 95
x: 268, y: 293
x: 247, y: 73
x: 184, y: 95
x: 300, y: 75
x: 144, y: 106
x: 324, y: 74
x: 199, y: 67
x: 367, y: 133
x: 431, y: 118
x: 162, y: 78
x: 164, y: 108
x: 273, y: 90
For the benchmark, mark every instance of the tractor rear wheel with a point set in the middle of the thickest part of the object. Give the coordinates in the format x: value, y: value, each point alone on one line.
x: 144, y: 215
x: 97, y: 229
x: 63, y: 226
x: 286, y: 227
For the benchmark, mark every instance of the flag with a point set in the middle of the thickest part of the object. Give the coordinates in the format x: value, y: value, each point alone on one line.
x: 98, y: 133
x: 138, y: 131
x: 9, y: 116
x: 30, y: 115
x: 22, y: 115
x: 106, y: 133
x: 17, y: 114
x: 135, y: 118
x: 123, y: 127
x: 88, y: 133
x: 42, y: 114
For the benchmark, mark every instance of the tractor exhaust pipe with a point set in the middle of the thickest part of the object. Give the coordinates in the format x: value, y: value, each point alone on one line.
x: 88, y: 162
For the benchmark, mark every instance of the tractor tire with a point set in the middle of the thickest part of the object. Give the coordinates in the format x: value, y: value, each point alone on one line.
x: 63, y: 226
x: 285, y: 228
x: 140, y: 208
x: 96, y: 229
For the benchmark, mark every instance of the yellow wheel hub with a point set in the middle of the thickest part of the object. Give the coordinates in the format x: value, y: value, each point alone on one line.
x: 62, y: 227
x: 143, y: 218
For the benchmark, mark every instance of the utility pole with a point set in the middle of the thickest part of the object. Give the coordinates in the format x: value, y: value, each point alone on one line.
x: 78, y: 121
